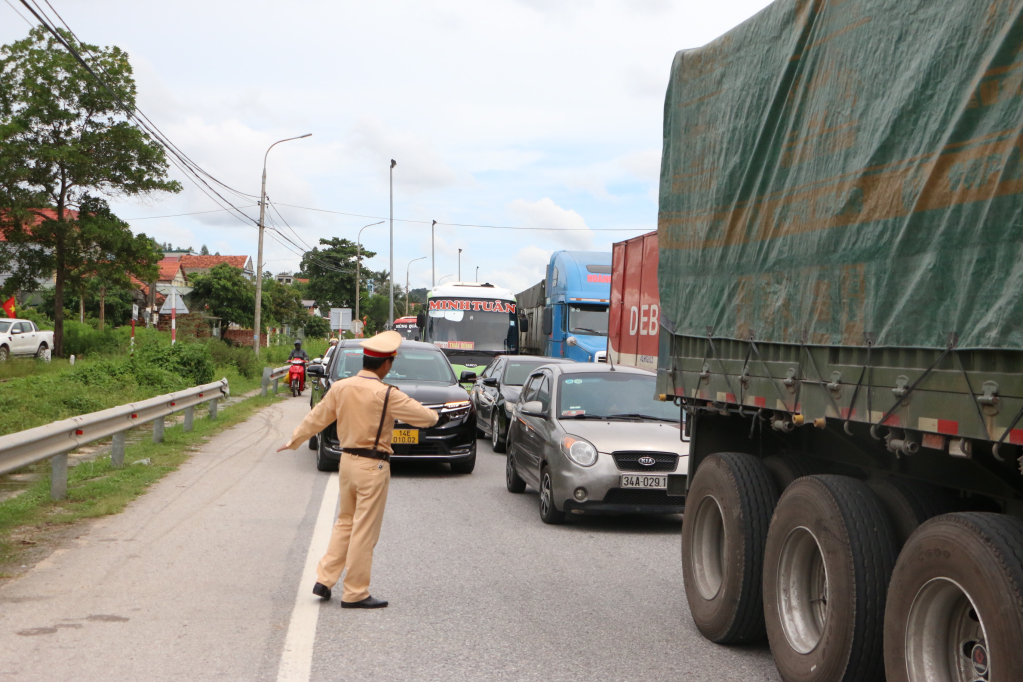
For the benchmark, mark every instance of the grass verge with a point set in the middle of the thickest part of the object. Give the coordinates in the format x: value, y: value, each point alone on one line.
x: 31, y: 523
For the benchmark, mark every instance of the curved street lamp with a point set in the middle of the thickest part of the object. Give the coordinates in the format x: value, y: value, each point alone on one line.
x: 259, y: 251
x: 406, y: 281
x: 445, y: 277
x: 358, y: 264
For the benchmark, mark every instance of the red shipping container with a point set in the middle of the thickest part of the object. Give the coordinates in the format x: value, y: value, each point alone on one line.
x: 633, y: 324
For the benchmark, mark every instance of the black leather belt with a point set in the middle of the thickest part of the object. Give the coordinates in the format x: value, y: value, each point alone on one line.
x: 369, y: 453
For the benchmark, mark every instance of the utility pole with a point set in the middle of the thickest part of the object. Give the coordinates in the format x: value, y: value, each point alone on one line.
x: 259, y: 251
x: 433, y: 257
x: 390, y: 306
x: 358, y: 263
x: 477, y: 273
x: 459, y: 265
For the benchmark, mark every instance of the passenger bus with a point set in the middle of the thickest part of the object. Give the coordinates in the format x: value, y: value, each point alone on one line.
x: 472, y: 323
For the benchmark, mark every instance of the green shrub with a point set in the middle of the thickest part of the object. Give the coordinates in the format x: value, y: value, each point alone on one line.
x: 36, y: 315
x: 191, y: 361
x: 82, y: 339
x: 241, y: 357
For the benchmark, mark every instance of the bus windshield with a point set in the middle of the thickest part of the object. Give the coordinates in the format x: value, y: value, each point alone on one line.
x: 473, y: 329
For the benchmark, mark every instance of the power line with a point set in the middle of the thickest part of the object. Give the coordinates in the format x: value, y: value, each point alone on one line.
x: 179, y: 215
x: 177, y: 158
x: 20, y: 14
x: 488, y: 227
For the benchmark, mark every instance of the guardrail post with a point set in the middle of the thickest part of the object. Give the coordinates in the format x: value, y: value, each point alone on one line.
x: 117, y: 450
x: 189, y: 415
x: 58, y: 476
x: 158, y: 430
x: 213, y: 409
x: 276, y: 379
x: 266, y: 381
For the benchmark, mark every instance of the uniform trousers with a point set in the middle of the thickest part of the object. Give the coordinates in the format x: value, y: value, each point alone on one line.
x: 364, y: 483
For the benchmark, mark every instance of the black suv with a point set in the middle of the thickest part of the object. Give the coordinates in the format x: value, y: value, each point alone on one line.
x: 422, y: 372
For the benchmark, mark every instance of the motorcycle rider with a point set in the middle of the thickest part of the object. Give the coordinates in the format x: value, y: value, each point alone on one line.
x: 298, y: 352
x: 301, y: 355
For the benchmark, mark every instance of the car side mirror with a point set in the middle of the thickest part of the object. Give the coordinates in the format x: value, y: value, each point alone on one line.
x: 524, y: 324
x: 490, y: 381
x: 421, y: 319
x: 316, y: 371
x: 467, y: 377
x: 15, y: 331
x: 534, y: 408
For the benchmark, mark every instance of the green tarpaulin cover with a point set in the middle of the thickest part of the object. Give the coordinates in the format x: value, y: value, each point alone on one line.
x: 836, y: 167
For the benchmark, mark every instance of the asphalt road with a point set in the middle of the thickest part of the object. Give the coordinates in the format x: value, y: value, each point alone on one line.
x: 202, y: 579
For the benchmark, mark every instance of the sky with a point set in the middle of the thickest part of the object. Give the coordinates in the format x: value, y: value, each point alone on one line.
x: 521, y: 113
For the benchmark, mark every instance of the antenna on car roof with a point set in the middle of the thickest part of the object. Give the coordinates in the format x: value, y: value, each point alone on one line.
x: 608, y: 356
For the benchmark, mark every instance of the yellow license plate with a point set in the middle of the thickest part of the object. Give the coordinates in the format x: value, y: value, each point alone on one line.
x: 405, y: 436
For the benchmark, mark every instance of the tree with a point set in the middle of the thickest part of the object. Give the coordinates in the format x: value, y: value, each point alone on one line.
x: 282, y: 305
x: 226, y: 293
x: 69, y: 139
x: 331, y: 273
x: 316, y: 327
x: 204, y: 251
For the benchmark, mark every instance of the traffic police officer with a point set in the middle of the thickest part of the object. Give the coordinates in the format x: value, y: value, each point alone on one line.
x: 365, y: 409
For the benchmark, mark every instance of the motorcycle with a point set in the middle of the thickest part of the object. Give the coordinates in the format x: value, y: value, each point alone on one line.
x: 296, y: 376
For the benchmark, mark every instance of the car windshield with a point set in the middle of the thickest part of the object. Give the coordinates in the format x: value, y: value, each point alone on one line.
x: 587, y: 319
x: 519, y: 370
x: 409, y: 330
x: 4, y: 326
x: 412, y: 364
x: 614, y: 395
x: 472, y: 329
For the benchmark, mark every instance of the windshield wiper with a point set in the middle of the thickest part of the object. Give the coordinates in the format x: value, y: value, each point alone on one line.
x: 587, y: 329
x: 586, y: 416
x: 636, y: 415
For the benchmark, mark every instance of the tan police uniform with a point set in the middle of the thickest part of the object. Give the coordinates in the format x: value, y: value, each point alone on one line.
x: 364, y: 425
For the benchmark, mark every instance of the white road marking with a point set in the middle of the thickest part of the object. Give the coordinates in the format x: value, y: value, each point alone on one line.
x: 297, y: 659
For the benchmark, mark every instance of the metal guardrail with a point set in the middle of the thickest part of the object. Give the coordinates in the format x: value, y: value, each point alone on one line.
x: 54, y: 441
x: 274, y: 375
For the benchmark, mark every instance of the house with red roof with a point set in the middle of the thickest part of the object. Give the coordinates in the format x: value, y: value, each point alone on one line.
x: 203, y: 264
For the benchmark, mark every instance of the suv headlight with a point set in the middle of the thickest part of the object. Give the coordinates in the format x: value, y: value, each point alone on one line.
x: 455, y: 412
x: 579, y: 451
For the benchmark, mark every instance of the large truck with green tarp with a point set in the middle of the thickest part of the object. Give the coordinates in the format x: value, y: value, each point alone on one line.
x: 841, y: 283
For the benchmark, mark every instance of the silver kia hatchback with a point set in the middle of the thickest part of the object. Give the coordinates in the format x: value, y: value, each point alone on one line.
x: 593, y: 438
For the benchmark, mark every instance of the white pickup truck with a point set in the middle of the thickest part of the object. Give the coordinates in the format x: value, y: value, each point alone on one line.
x: 22, y: 337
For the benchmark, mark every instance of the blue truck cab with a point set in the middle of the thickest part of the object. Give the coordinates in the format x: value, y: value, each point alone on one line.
x: 571, y: 303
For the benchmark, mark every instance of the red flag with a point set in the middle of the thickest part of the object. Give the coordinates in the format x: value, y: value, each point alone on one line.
x: 8, y: 307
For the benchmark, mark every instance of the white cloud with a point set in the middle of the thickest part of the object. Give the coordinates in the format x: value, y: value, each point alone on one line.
x: 644, y: 165
x: 419, y: 168
x: 572, y: 232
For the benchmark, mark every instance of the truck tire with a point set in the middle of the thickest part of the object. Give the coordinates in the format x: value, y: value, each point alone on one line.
x: 910, y: 503
x: 955, y: 607
x: 787, y: 468
x: 724, y: 531
x: 830, y: 555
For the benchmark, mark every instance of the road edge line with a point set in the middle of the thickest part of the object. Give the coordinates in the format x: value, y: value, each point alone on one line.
x: 297, y: 658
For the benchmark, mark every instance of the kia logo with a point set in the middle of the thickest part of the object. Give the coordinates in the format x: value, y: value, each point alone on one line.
x: 647, y: 461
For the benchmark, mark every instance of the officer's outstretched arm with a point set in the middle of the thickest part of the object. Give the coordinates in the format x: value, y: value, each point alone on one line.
x: 411, y: 411
x: 318, y: 418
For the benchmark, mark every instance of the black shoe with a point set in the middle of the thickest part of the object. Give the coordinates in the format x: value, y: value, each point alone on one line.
x: 367, y: 603
x: 321, y: 590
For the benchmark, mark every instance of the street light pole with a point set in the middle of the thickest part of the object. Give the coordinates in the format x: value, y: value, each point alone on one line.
x: 477, y: 273
x: 390, y: 307
x: 406, y: 281
x: 358, y: 263
x: 459, y: 265
x: 259, y: 250
x: 445, y: 277
x: 433, y: 257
